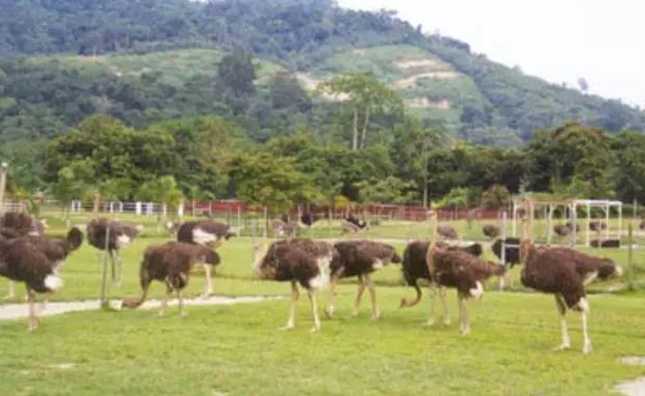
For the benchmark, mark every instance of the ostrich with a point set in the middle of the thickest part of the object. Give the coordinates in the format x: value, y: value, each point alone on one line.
x: 599, y: 226
x: 460, y: 270
x: 299, y: 261
x: 491, y: 231
x: 206, y: 233
x: 36, y: 262
x: 351, y: 224
x: 170, y: 263
x: 562, y: 230
x: 564, y: 273
x: 120, y: 236
x: 511, y: 257
x: 15, y: 225
x: 285, y: 229
x: 447, y: 232
x: 359, y: 258
x: 308, y: 219
x: 414, y: 268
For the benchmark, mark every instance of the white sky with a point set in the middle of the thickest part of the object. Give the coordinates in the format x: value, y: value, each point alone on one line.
x: 558, y: 40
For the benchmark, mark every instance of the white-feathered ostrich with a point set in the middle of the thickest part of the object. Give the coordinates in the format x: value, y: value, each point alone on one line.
x: 207, y: 233
x: 299, y: 261
x: 18, y: 224
x: 460, y: 270
x: 564, y: 273
x: 415, y: 268
x: 360, y: 259
x: 170, y: 263
x: 36, y: 262
x: 120, y: 236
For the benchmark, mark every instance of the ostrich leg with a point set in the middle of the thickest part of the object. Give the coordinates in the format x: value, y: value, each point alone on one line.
x: 464, y: 322
x: 119, y: 267
x: 433, y: 293
x: 12, y: 291
x: 32, y: 323
x: 444, y: 305
x: 314, y: 310
x: 291, y: 323
x: 329, y: 311
x: 562, y: 310
x: 584, y: 307
x: 164, y: 302
x: 208, y: 288
x: 359, y: 295
x: 376, y: 313
x: 180, y: 299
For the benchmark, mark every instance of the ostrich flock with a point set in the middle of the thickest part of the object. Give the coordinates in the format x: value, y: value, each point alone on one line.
x: 30, y: 257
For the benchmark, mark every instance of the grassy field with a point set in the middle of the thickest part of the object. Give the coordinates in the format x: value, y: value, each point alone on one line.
x: 235, y: 350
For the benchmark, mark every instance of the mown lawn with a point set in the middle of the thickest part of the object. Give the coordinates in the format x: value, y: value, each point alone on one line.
x: 237, y: 350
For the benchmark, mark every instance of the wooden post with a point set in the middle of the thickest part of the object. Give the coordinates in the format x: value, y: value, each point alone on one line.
x: 105, y: 303
x: 3, y: 184
x: 630, y: 256
x: 588, y: 232
x: 607, y: 221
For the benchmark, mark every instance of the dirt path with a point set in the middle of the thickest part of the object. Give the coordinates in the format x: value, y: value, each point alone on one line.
x: 19, y: 311
x: 632, y: 388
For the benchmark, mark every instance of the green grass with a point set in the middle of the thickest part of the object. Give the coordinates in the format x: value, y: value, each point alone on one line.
x: 237, y: 350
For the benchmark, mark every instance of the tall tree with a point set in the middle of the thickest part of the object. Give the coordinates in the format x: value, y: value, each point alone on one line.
x: 235, y: 79
x: 365, y: 95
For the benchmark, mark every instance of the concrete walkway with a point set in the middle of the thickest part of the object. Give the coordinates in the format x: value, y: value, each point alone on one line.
x: 19, y: 311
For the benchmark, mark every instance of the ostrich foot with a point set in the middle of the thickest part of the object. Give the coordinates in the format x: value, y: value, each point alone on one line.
x: 586, y: 349
x: 315, y: 329
x: 464, y: 331
x: 329, y: 312
x: 289, y: 326
x: 562, y: 347
x: 376, y: 316
x: 446, y: 321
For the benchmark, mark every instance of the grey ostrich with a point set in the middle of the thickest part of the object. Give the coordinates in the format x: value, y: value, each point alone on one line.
x: 301, y: 262
x: 170, y: 263
x: 120, y: 236
x: 36, y: 261
x: 360, y: 259
x: 491, y: 231
x: 207, y: 233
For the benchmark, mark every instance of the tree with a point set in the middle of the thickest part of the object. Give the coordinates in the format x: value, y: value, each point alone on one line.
x: 164, y: 190
x: 235, y: 79
x: 365, y: 96
x: 628, y: 172
x: 272, y: 182
x: 390, y: 190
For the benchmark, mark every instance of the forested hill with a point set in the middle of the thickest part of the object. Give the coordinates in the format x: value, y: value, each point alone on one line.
x: 143, y: 61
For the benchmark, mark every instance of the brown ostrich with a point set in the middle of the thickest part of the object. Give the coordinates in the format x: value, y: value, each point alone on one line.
x: 18, y: 224
x: 561, y: 230
x: 298, y: 261
x: 491, y: 231
x: 461, y: 271
x: 207, y: 233
x: 360, y: 259
x: 170, y: 263
x: 598, y: 226
x: 120, y: 236
x: 415, y: 268
x: 36, y: 261
x: 564, y: 273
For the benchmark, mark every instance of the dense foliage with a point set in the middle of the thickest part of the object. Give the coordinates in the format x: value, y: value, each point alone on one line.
x: 493, y: 104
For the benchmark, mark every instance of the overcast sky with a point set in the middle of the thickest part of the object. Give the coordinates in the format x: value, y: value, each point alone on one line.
x: 558, y: 40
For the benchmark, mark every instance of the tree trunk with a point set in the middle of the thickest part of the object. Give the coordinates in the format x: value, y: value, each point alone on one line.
x: 97, y: 203
x: 365, y: 124
x: 355, y: 131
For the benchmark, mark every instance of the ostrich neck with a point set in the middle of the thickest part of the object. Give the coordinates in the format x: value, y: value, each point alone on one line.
x: 259, y: 255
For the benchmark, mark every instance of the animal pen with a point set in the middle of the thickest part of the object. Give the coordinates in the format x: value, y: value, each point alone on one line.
x: 605, y: 229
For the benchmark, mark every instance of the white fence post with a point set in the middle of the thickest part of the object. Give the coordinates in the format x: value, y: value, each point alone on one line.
x: 138, y: 207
